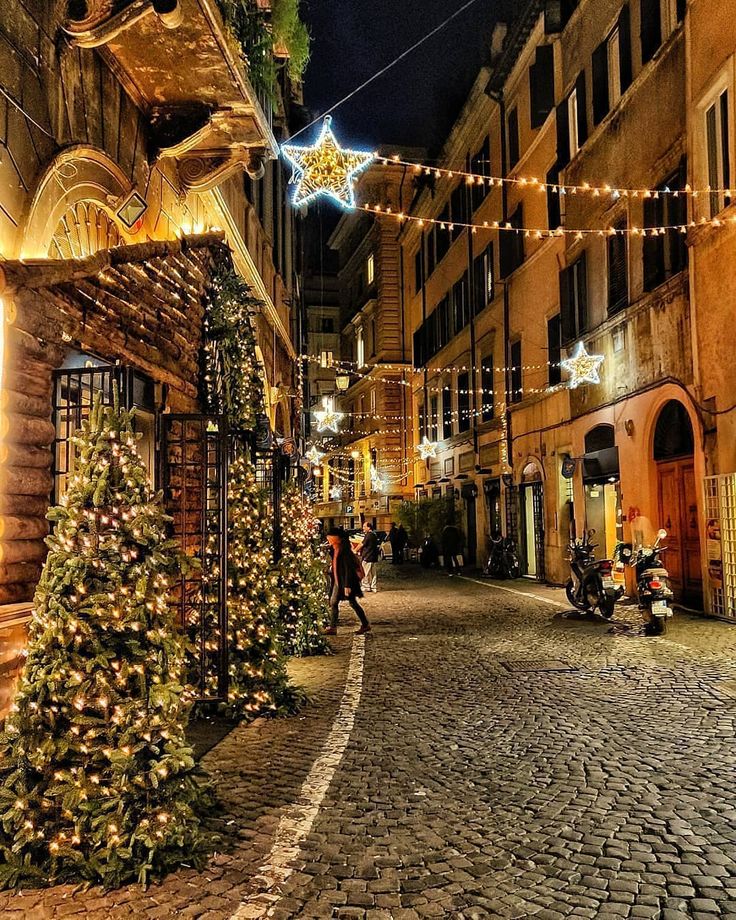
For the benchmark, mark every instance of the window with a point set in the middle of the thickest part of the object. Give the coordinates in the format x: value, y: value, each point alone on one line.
x: 618, y: 279
x: 512, y: 244
x: 480, y: 165
x: 554, y: 213
x: 542, y: 85
x: 461, y: 306
x: 486, y: 385
x: 327, y: 325
x: 459, y: 208
x: 359, y: 347
x: 370, y: 344
x: 447, y: 429
x: 325, y: 359
x: 572, y: 121
x: 483, y: 279
x: 517, y: 392
x: 422, y: 418
x: 418, y: 271
x: 557, y: 14
x: 373, y: 401
x: 665, y: 256
x: 370, y: 268
x: 574, y: 300
x: 442, y: 236
x: 513, y: 135
x: 717, y: 142
x: 431, y: 253
x: 554, y: 349
x: 651, y: 28
x: 434, y: 419
x: 463, y: 401
x: 613, y: 48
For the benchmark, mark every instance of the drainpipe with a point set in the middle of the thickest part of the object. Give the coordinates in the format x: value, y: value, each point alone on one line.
x: 474, y: 402
x: 404, y: 406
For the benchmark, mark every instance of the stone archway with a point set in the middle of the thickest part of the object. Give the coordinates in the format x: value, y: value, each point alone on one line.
x: 70, y: 215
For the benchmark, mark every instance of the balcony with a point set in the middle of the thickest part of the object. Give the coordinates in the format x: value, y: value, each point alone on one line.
x: 205, y: 113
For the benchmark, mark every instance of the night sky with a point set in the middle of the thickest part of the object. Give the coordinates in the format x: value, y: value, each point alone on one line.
x: 416, y: 102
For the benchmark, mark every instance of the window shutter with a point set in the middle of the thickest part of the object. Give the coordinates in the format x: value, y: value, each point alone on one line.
x: 554, y: 215
x: 582, y: 109
x: 581, y: 267
x: 567, y: 315
x: 681, y: 7
x: 653, y: 246
x: 554, y: 350
x: 624, y: 47
x: 651, y: 29
x: 513, y: 133
x: 618, y: 288
x: 542, y: 85
x: 601, y: 104
x: 563, y: 135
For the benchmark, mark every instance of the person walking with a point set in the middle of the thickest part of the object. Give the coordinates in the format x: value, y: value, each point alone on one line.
x: 369, y: 558
x: 347, y: 574
x: 394, y: 539
x: 452, y: 547
x: 403, y: 542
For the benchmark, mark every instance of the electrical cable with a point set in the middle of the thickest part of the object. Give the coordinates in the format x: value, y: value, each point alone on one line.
x: 386, y: 68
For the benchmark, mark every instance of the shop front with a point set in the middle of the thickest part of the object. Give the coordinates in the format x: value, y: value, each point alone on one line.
x: 602, y: 488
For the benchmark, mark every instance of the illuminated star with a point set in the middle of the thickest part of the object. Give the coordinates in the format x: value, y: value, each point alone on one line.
x: 314, y: 455
x: 427, y: 448
x: 582, y: 367
x: 336, y: 493
x: 377, y: 481
x: 328, y: 418
x: 325, y: 169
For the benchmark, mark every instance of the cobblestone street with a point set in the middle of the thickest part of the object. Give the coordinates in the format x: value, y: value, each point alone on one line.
x: 501, y: 759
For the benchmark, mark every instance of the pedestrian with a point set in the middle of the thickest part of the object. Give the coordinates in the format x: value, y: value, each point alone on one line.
x: 403, y: 542
x: 369, y: 557
x: 452, y: 547
x: 347, y: 574
x: 393, y: 538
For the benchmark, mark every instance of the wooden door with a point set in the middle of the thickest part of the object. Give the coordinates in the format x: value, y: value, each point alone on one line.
x: 678, y: 515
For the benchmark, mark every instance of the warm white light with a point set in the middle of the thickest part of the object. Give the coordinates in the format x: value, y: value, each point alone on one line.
x: 328, y: 418
x: 427, y: 448
x: 582, y: 367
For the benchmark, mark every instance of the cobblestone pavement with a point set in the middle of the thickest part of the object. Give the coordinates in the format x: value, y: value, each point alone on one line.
x: 477, y: 781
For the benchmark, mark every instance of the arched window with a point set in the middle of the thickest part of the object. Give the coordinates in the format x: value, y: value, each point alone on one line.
x: 601, y: 437
x: 673, y: 435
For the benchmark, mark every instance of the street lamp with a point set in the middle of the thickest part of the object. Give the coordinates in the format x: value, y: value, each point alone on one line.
x: 342, y: 382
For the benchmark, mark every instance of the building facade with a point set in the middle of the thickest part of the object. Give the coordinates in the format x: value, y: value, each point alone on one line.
x: 121, y: 176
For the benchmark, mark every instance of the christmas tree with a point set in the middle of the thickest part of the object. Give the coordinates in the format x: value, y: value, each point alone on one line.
x: 302, y: 579
x: 96, y: 779
x: 258, y: 679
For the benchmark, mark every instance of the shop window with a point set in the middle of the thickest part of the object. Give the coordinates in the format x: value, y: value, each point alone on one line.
x: 618, y: 279
x: 717, y: 143
x: 75, y: 390
x: 463, y: 401
x: 517, y: 391
x: 574, y: 300
x: 665, y: 255
x: 554, y: 349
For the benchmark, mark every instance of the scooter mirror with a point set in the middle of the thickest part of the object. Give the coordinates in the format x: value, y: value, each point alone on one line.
x: 661, y: 534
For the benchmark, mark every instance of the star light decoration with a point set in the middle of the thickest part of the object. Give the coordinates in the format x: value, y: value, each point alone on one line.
x: 314, y: 455
x: 328, y: 418
x: 582, y: 367
x: 427, y: 449
x: 325, y: 168
x: 336, y: 493
x: 378, y: 483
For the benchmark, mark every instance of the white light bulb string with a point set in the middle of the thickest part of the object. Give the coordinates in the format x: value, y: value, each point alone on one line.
x: 345, y: 363
x: 596, y: 189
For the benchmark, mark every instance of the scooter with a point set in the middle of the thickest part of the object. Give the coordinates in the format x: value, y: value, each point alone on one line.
x: 652, y: 583
x: 592, y: 584
x: 502, y: 560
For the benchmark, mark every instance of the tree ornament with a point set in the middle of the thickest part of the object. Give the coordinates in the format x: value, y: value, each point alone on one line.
x: 582, y: 367
x: 325, y: 168
x: 97, y: 781
x: 328, y: 418
x: 427, y: 449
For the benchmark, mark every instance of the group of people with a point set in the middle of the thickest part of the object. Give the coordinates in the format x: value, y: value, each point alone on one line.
x: 354, y: 573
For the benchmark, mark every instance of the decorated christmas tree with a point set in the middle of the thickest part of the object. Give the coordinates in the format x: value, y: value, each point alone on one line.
x: 302, y: 579
x: 234, y: 388
x: 96, y: 779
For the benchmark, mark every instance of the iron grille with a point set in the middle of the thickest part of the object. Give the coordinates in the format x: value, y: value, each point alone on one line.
x: 538, y: 508
x: 194, y: 461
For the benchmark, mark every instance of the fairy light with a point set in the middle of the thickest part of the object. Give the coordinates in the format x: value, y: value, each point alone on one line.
x: 582, y: 367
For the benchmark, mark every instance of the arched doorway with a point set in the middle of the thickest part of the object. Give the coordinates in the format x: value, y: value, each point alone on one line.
x: 532, y: 521
x: 601, y: 481
x: 674, y: 448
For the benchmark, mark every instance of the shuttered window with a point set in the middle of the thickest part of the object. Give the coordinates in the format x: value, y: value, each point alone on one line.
x: 487, y: 385
x: 717, y: 146
x: 513, y: 136
x: 511, y: 244
x: 542, y: 85
x: 618, y: 279
x: 665, y: 255
x: 574, y: 300
x: 554, y: 349
x: 517, y: 393
x: 651, y: 28
x: 418, y: 272
x: 480, y: 165
x: 554, y: 214
x: 447, y: 429
x: 483, y: 279
x: 463, y: 401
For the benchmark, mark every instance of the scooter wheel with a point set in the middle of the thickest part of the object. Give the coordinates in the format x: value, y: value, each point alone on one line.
x: 606, y: 606
x: 570, y: 592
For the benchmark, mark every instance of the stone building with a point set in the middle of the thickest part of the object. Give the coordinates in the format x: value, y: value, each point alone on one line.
x: 114, y: 164
x: 368, y: 472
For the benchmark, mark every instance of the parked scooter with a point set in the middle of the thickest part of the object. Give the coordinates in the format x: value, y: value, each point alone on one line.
x: 592, y: 585
x: 503, y: 561
x: 652, y: 583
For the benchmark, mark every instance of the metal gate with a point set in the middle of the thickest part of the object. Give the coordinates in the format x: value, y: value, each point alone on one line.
x: 537, y: 490
x: 194, y: 475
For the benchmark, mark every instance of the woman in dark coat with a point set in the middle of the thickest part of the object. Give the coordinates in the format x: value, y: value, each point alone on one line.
x: 347, y: 574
